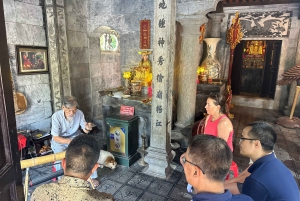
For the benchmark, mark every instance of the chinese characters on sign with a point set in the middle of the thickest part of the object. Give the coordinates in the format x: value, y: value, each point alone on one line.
x: 161, y: 72
x: 158, y: 123
x: 162, y: 5
x: 160, y: 60
x: 145, y: 34
x: 159, y: 109
x: 159, y: 94
x: 161, y: 42
x: 159, y: 77
x: 161, y: 23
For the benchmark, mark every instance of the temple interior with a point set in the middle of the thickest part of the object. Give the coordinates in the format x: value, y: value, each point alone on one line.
x: 160, y: 58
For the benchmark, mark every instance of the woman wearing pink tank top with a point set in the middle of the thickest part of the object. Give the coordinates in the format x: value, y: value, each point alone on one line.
x: 217, y: 123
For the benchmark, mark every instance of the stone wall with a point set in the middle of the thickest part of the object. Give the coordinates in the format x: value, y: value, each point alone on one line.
x: 123, y: 17
x: 105, y: 69
x: 287, y: 58
x: 78, y: 45
x: 25, y: 26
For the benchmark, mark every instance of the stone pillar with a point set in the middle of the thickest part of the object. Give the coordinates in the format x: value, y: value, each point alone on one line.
x: 189, y: 62
x: 216, y: 24
x: 159, y: 153
x: 58, y: 51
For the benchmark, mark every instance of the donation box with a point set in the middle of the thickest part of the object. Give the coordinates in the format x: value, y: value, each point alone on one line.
x: 122, y: 138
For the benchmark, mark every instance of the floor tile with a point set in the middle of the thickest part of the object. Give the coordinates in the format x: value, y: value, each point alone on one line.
x: 121, y: 175
x: 180, y: 193
x: 160, y: 187
x: 128, y: 193
x: 151, y: 197
x: 182, y: 181
x: 109, y: 186
x: 141, y: 181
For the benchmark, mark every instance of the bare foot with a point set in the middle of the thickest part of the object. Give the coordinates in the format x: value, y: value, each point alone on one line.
x: 95, y: 182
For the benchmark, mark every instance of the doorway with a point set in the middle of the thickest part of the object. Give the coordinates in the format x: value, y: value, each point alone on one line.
x: 255, y: 68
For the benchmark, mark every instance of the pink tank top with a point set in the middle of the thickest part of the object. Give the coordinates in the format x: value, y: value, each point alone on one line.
x: 211, y: 128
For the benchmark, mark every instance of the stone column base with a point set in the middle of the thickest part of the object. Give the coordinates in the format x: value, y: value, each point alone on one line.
x: 181, y: 124
x: 158, y: 163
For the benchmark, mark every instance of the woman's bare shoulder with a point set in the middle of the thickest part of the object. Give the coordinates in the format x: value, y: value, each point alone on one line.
x: 225, y: 121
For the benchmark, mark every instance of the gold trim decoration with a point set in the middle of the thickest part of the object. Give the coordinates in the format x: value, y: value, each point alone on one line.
x: 202, y: 32
x: 145, y: 52
x: 234, y: 33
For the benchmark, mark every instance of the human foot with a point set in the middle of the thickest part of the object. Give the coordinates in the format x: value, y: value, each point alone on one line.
x: 95, y: 182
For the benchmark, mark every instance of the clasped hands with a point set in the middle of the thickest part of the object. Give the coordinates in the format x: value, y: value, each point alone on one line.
x: 88, y: 126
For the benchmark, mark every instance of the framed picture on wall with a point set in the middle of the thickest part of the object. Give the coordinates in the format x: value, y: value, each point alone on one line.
x: 32, y: 60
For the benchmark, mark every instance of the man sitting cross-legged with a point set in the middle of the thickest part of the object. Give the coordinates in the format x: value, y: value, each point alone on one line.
x: 81, y: 159
x: 268, y: 178
x: 65, y: 124
x: 206, y: 164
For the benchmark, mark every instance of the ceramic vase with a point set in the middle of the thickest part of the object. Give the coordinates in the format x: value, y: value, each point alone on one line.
x: 211, y: 64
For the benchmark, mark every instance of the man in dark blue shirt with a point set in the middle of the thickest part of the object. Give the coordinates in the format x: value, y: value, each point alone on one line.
x: 270, y: 179
x: 206, y: 164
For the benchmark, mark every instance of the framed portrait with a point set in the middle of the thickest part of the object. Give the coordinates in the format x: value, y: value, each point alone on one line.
x: 32, y: 60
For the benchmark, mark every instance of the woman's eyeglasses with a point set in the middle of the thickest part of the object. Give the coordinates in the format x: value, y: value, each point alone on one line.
x: 184, y: 161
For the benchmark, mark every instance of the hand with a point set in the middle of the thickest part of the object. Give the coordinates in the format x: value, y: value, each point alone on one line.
x: 88, y: 126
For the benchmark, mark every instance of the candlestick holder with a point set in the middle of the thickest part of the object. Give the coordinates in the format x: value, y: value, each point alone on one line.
x: 142, y: 151
x: 127, y: 76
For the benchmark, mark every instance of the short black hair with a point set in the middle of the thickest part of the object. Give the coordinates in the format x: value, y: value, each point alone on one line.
x: 264, y: 133
x: 212, y: 154
x: 218, y: 100
x: 82, y: 154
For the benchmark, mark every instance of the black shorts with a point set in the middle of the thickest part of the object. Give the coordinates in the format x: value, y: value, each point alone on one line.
x: 239, y: 186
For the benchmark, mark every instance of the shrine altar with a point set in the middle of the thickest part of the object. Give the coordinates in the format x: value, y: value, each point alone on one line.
x: 142, y: 108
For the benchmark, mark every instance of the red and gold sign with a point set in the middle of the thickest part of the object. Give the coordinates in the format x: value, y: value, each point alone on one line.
x: 145, y: 34
x: 127, y: 110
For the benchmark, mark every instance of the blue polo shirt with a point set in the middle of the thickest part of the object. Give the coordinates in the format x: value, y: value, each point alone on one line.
x: 270, y: 179
x: 226, y: 196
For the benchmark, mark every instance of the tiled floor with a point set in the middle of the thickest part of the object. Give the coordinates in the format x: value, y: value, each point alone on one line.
x: 130, y: 183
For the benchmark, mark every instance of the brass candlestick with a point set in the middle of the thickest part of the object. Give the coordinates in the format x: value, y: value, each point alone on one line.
x: 127, y: 76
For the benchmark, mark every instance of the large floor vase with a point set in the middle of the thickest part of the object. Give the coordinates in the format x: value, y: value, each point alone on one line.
x: 210, y: 63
